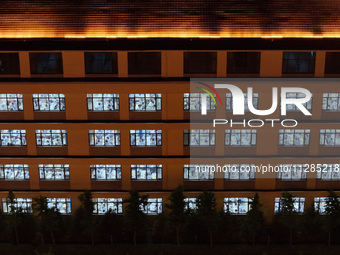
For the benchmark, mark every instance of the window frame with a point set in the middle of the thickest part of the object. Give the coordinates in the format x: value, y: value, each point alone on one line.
x: 19, y: 102
x: 159, y: 206
x: 116, y: 202
x: 241, y: 133
x: 10, y: 64
x: 245, y: 57
x: 292, y: 107
x: 229, y: 105
x: 209, y: 60
x: 188, y: 134
x: 145, y: 97
x: 251, y: 173
x: 146, y: 132
x: 299, y: 169
x: 60, y: 98
x: 100, y: 96
x: 25, y: 168
x: 134, y: 172
x: 333, y: 173
x: 331, y: 132
x: 306, y: 133
x: 326, y: 97
x: 92, y: 134
x: 63, y: 137
x: 94, y: 174
x: 34, y: 63
x: 285, y: 69
x: 21, y: 134
x: 56, y: 201
x: 237, y: 201
x: 188, y: 168
x: 188, y: 97
x: 42, y: 168
x: 112, y: 57
x: 301, y: 201
x: 190, y: 203
x: 28, y: 209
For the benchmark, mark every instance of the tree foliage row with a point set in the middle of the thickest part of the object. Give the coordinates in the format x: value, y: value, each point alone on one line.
x: 178, y: 224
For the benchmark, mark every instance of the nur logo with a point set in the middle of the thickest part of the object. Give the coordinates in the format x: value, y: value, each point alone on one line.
x: 239, y: 100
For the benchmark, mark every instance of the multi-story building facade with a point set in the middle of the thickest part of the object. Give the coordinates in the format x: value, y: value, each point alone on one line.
x: 110, y: 115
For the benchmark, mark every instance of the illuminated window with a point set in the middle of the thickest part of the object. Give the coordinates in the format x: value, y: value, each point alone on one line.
x: 9, y: 63
x: 331, y: 102
x: 105, y: 205
x: 298, y: 202
x: 20, y: 204
x: 330, y: 137
x: 63, y: 205
x: 14, y: 172
x: 101, y: 63
x: 13, y: 137
x: 49, y: 102
x: 239, y: 172
x: 145, y: 102
x: 146, y: 137
x: 290, y: 172
x: 292, y: 107
x: 190, y: 203
x: 200, y: 62
x: 192, y: 102
x: 320, y: 204
x: 54, y: 172
x: 144, y: 62
x: 146, y: 172
x: 229, y: 101
x: 243, y: 62
x: 102, y: 102
x: 240, y: 137
x: 199, y: 137
x: 108, y: 138
x: 11, y: 102
x: 199, y: 172
x: 236, y: 205
x: 294, y: 137
x: 46, y: 63
x: 332, y: 65
x: 298, y: 62
x: 154, y: 206
x: 51, y: 137
x: 106, y: 172
x: 328, y: 172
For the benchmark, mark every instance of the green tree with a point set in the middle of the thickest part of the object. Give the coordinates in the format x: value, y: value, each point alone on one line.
x: 287, y: 215
x: 48, y: 218
x: 332, y: 213
x: 177, y: 213
x: 206, y: 212
x: 111, y: 224
x: 254, y: 221
x: 14, y: 215
x: 84, y: 214
x: 135, y: 217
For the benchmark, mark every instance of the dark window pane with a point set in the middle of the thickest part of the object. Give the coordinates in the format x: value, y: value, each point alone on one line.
x: 144, y: 62
x: 332, y: 63
x: 243, y: 62
x: 9, y: 63
x: 101, y: 63
x: 298, y: 62
x: 46, y: 63
x: 200, y: 62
